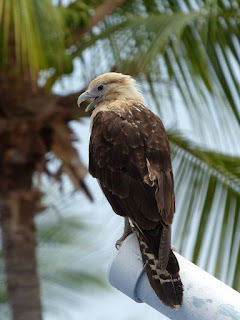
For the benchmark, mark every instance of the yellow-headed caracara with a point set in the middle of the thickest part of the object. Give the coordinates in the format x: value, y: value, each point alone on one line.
x: 129, y: 155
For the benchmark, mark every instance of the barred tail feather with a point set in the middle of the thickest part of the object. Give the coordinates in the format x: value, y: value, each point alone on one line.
x: 166, y: 283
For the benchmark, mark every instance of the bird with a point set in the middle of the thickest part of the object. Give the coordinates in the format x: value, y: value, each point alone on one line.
x: 129, y: 155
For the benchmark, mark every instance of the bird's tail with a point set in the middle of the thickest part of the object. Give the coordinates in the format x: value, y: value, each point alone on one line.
x: 167, y: 283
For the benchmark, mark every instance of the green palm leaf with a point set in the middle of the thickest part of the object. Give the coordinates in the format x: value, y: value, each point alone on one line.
x: 208, y: 198
x: 181, y: 52
x: 186, y: 56
x: 33, y: 29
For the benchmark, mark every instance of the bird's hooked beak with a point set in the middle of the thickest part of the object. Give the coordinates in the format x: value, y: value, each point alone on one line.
x: 84, y: 96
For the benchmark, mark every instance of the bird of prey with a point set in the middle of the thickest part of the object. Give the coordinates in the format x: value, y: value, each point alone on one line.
x: 129, y: 155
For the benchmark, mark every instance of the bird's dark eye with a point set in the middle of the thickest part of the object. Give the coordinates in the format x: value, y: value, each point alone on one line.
x: 100, y: 87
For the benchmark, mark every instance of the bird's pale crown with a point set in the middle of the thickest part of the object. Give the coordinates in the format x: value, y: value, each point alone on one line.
x: 110, y: 87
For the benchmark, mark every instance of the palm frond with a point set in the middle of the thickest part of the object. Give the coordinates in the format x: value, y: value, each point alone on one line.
x: 207, y: 201
x: 191, y: 53
x: 29, y: 32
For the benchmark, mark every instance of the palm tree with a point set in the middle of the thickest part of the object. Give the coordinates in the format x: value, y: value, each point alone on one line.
x: 186, y: 56
x: 35, y: 36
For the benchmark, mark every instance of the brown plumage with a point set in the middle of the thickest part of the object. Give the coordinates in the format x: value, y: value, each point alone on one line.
x: 129, y: 154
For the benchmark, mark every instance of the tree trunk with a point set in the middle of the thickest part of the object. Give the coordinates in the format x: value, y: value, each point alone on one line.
x: 21, y: 151
x: 31, y: 124
x: 18, y: 241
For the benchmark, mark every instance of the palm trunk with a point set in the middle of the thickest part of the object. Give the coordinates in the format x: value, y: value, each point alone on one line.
x: 19, y: 244
x: 21, y: 151
x: 31, y: 124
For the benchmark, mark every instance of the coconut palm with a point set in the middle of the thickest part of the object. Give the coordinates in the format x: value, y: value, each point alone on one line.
x: 36, y: 41
x: 184, y: 53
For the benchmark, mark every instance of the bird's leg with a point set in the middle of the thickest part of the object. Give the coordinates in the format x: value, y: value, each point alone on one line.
x: 127, y: 230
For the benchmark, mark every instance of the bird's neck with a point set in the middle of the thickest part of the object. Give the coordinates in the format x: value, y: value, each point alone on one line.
x: 119, y: 106
x: 124, y: 94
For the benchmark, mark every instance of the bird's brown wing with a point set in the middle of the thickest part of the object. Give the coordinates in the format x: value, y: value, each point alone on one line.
x: 129, y: 154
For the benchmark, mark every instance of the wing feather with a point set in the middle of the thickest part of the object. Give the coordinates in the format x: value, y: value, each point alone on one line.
x: 130, y: 156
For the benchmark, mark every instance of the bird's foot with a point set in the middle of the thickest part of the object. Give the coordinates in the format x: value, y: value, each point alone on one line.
x: 123, y: 237
x: 127, y: 230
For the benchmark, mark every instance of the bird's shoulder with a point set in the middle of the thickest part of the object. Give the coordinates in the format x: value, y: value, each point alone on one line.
x: 134, y: 123
x: 134, y: 140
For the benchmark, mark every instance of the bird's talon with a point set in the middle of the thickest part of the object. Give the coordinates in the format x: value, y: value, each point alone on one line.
x: 118, y: 244
x: 123, y: 237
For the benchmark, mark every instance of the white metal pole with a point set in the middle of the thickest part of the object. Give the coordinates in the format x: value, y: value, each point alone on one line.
x: 205, y: 297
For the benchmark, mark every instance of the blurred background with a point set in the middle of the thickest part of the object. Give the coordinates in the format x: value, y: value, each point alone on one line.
x: 185, y: 56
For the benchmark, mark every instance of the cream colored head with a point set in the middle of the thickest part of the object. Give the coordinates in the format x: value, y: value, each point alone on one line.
x: 110, y: 87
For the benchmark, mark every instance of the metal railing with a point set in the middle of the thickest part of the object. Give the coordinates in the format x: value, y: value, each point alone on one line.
x: 205, y: 297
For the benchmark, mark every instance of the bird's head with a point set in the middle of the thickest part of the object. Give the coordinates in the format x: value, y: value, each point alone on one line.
x: 110, y: 86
